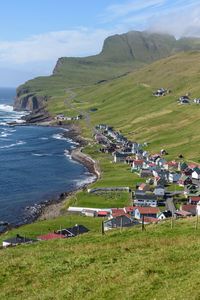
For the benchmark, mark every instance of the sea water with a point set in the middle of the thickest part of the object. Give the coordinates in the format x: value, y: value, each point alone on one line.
x: 34, y: 163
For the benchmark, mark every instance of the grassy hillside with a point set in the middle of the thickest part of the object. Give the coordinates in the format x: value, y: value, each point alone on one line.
x: 127, y: 104
x: 120, y: 54
x: 159, y: 263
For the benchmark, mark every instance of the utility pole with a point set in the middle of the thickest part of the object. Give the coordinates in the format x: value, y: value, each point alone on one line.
x: 197, y: 221
x: 143, y: 228
x: 172, y: 221
x: 102, y: 228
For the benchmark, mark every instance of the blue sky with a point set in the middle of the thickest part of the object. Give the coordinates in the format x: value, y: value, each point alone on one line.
x: 33, y: 33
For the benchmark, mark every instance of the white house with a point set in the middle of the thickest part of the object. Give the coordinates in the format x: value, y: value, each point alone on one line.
x: 196, y: 174
x: 159, y: 191
x: 146, y: 212
x: 198, y: 208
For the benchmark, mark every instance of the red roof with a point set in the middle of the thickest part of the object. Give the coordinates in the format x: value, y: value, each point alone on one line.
x: 183, y: 213
x: 118, y: 212
x: 195, y: 198
x: 50, y: 236
x: 103, y: 213
x: 192, y: 166
x: 148, y: 210
x: 189, y: 207
x: 142, y: 186
x: 129, y: 209
x: 138, y: 162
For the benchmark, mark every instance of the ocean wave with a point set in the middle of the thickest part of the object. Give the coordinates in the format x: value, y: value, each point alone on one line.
x: 44, y: 138
x: 41, y: 154
x: 6, y: 108
x: 87, y: 180
x: 13, y: 145
x: 67, y: 154
x: 58, y: 136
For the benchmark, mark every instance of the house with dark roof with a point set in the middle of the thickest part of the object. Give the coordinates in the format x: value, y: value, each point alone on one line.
x: 196, y: 173
x: 164, y: 215
x: 73, y: 231
x: 184, y: 180
x: 18, y: 240
x: 119, y: 221
x: 146, y: 199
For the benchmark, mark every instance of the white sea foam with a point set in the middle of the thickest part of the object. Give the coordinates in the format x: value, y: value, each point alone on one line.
x: 43, y: 138
x: 58, y: 136
x: 66, y: 153
x: 6, y: 108
x: 41, y: 154
x: 83, y: 182
x: 13, y: 145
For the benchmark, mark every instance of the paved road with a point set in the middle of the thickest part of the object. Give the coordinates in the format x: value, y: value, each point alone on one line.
x: 170, y: 205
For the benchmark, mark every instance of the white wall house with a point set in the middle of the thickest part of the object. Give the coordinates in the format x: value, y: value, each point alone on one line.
x: 196, y: 174
x: 159, y: 191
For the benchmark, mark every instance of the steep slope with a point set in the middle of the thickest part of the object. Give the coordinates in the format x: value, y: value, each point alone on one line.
x: 120, y: 55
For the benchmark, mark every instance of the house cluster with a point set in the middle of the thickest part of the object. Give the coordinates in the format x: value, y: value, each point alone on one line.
x: 62, y: 117
x: 161, y: 92
x: 62, y: 233
x: 187, y: 100
x: 158, y: 172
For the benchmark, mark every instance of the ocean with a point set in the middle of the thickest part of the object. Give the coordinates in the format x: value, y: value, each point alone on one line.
x: 34, y: 164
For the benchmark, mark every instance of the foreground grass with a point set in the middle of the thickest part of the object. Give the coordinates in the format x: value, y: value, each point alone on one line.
x: 157, y: 263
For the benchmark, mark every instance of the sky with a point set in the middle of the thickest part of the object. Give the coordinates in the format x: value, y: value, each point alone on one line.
x: 35, y: 33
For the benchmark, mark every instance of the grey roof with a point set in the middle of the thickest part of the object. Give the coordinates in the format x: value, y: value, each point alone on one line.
x: 73, y: 231
x: 19, y: 240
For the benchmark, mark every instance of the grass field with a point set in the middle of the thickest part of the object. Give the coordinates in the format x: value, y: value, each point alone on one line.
x: 158, y: 263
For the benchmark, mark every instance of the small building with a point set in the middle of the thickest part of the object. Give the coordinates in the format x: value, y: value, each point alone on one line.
x: 182, y: 214
x: 197, y: 100
x: 146, y: 212
x: 73, y: 231
x: 119, y: 221
x: 18, y: 240
x: 194, y: 200
x: 147, y: 199
x: 159, y: 191
x: 137, y: 165
x: 174, y: 177
x: 182, y: 166
x: 145, y: 173
x: 165, y: 215
x: 189, y: 208
x: 144, y: 187
x: 196, y: 174
x: 184, y: 180
x: 119, y: 157
x: 50, y: 236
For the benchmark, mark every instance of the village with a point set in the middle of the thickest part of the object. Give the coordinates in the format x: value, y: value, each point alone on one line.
x: 169, y: 189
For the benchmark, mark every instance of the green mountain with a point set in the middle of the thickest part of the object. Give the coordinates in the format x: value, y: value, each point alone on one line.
x: 120, y: 55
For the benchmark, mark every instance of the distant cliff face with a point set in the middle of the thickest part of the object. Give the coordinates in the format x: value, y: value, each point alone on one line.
x: 120, y: 54
x: 25, y: 100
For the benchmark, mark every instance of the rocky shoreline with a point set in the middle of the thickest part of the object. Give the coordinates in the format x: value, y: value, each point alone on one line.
x: 52, y: 208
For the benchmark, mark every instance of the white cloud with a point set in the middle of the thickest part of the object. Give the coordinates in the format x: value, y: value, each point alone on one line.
x: 184, y: 21
x: 50, y: 46
x: 117, y: 11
